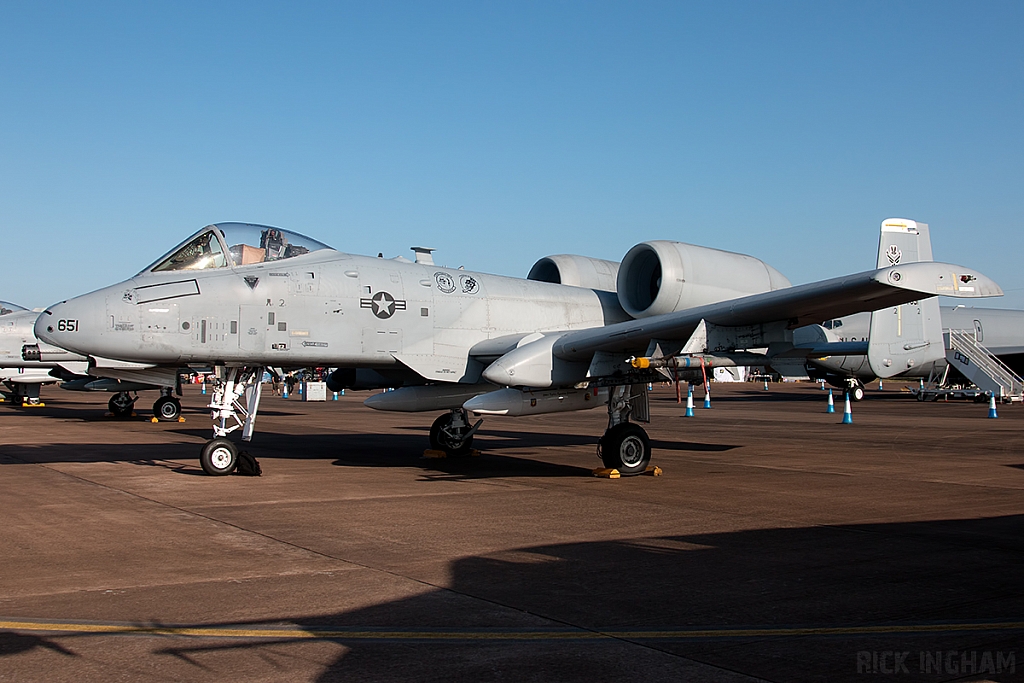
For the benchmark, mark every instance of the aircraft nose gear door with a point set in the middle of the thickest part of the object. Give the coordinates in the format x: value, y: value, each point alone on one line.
x: 235, y: 402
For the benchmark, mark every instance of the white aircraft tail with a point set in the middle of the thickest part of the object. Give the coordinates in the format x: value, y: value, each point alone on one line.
x: 906, y: 336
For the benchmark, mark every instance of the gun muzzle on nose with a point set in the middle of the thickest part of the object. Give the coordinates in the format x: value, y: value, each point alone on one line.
x: 45, y: 352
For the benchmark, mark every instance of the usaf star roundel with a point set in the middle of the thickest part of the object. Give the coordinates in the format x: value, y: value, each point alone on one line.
x: 383, y: 305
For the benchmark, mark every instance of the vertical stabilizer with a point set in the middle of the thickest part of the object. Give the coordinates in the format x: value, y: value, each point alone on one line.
x: 906, y: 336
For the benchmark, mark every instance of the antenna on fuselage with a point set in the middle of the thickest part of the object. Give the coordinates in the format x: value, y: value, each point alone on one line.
x: 423, y: 255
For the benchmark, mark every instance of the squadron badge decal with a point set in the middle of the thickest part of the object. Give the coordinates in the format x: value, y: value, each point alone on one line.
x: 445, y: 282
x: 894, y: 255
x: 383, y: 305
x: 469, y: 284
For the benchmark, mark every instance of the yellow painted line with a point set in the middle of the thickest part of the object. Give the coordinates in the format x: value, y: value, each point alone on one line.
x: 363, y: 634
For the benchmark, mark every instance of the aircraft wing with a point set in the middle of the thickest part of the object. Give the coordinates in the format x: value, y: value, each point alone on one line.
x: 796, y: 306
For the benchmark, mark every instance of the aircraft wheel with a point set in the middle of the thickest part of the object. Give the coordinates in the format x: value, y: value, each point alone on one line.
x: 626, y: 448
x: 856, y: 390
x: 219, y: 457
x: 451, y: 441
x: 167, y: 409
x: 121, y: 404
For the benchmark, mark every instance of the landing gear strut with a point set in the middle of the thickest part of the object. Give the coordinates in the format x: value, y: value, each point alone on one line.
x: 121, y: 404
x: 25, y: 395
x: 235, y: 402
x: 452, y: 434
x: 625, y: 446
x: 167, y: 408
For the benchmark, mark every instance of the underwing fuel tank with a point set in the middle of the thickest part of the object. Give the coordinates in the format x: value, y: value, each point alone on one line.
x: 425, y: 398
x: 515, y: 403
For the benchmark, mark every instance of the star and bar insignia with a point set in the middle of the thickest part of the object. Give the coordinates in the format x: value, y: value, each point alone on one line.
x: 383, y: 305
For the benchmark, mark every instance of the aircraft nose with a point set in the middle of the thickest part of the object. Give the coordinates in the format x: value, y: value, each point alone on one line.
x: 45, y: 328
x: 71, y: 324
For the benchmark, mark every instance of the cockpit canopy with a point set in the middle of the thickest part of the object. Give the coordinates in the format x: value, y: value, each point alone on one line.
x: 6, y: 307
x: 235, y: 244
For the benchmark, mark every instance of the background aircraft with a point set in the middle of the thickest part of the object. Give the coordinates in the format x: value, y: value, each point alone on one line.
x: 1000, y: 330
x: 243, y: 297
x: 23, y: 378
x: 905, y: 241
x: 26, y: 364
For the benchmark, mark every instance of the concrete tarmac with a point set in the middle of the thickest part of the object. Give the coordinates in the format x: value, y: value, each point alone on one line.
x: 778, y: 545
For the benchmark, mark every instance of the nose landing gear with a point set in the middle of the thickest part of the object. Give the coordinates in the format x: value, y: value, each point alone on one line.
x: 235, y: 403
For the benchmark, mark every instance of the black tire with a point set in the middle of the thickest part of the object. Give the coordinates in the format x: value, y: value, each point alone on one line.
x: 219, y: 457
x: 856, y: 392
x: 167, y: 409
x: 441, y: 439
x: 626, y: 448
x: 121, y: 404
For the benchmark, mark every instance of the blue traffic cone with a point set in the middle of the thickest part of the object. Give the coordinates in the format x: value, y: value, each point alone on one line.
x: 335, y: 395
x: 992, y: 406
x: 831, y: 403
x: 342, y: 392
x: 707, y: 395
x: 284, y: 392
x: 204, y: 388
x: 300, y: 388
x: 822, y: 383
x: 847, y: 412
x: 880, y: 385
x: 766, y: 385
x: 689, y: 400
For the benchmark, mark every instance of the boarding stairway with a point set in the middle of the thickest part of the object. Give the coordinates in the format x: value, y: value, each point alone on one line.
x: 966, y: 354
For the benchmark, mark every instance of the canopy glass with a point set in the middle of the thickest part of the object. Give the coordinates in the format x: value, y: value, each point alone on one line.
x: 7, y: 307
x: 235, y: 244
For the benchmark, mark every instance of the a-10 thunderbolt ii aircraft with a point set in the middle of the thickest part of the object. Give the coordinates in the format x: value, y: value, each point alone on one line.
x: 25, y: 365
x: 1001, y: 331
x: 22, y: 379
x: 243, y: 297
x: 920, y: 323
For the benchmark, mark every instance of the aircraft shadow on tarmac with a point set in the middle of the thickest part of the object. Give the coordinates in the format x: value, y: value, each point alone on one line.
x: 809, y: 396
x: 356, y: 450
x: 95, y: 413
x: 649, y: 608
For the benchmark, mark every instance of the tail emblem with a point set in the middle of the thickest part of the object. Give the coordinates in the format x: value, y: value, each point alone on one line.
x: 894, y: 255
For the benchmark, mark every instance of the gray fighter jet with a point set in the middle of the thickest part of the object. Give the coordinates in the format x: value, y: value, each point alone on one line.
x: 919, y: 324
x: 26, y: 364
x: 1001, y: 331
x: 23, y: 378
x: 243, y: 297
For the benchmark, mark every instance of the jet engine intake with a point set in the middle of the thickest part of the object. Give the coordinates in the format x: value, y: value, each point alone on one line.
x: 576, y: 271
x: 661, y: 277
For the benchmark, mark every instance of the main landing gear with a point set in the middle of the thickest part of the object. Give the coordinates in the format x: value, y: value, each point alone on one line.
x: 452, y: 434
x: 122, y: 404
x: 855, y: 388
x: 167, y: 408
x: 625, y: 445
x: 235, y: 402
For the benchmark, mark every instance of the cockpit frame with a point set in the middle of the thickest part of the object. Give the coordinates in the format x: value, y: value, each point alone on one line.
x: 234, y: 245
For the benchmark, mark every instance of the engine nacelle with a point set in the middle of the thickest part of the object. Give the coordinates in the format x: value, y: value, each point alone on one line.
x: 661, y: 277
x: 577, y: 271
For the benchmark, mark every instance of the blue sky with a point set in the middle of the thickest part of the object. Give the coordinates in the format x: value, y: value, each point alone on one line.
x: 502, y: 132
